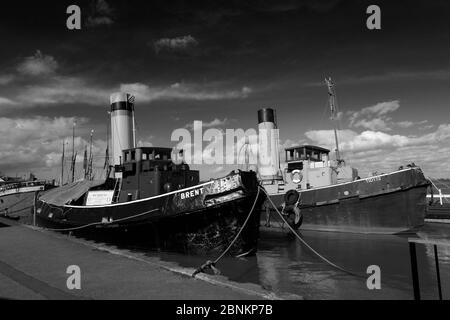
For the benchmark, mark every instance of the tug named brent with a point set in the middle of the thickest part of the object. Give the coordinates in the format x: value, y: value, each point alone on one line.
x: 155, y: 191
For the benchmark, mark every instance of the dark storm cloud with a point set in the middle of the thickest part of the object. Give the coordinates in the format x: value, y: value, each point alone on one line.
x: 224, y: 59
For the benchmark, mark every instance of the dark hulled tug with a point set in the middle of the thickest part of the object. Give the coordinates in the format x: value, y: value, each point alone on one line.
x: 155, y: 195
x: 314, y: 192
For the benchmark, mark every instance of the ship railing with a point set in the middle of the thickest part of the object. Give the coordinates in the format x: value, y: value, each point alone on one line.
x: 18, y: 185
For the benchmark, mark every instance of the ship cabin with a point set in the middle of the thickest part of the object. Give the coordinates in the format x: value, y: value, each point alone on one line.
x: 310, y: 166
x: 150, y: 171
x: 307, y: 167
x: 295, y: 156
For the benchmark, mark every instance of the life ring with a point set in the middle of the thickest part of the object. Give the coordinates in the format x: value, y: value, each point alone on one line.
x: 296, y: 176
x: 291, y: 197
x: 294, y: 216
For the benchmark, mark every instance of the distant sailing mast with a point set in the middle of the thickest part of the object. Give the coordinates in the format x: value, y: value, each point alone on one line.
x: 62, y: 164
x: 74, y: 155
x: 90, y: 176
x: 334, y: 116
x: 87, y: 163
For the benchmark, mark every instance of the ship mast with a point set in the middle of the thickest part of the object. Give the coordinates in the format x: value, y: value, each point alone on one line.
x: 73, y: 152
x: 62, y: 164
x: 332, y: 101
x: 90, y: 157
x: 85, y: 163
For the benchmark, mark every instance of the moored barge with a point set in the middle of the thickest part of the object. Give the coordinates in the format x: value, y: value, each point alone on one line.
x: 17, y: 196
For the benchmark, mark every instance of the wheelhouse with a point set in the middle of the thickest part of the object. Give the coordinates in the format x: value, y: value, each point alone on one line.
x: 306, y: 152
x: 150, y: 171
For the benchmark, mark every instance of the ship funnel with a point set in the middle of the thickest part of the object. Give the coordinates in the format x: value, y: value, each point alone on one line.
x: 123, y: 135
x: 268, y: 153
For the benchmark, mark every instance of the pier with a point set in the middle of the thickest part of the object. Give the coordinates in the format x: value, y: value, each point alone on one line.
x: 34, y: 262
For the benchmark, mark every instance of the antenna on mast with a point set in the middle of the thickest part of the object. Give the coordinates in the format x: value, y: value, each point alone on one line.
x: 334, y: 116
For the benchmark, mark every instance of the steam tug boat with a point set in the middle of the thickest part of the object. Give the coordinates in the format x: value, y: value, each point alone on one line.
x: 314, y: 192
x: 17, y: 196
x: 156, y: 194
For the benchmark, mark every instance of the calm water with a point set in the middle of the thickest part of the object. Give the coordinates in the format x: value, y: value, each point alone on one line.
x: 284, y: 266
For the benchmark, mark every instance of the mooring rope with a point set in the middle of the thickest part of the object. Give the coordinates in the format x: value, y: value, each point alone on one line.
x: 212, y: 264
x: 101, y: 223
x: 306, y: 244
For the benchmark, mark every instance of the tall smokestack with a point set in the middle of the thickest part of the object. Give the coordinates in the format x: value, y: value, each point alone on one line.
x: 122, y: 125
x: 268, y: 154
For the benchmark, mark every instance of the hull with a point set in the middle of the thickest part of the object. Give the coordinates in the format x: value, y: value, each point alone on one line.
x: 437, y: 212
x: 385, y: 204
x: 201, y: 217
x: 17, y: 202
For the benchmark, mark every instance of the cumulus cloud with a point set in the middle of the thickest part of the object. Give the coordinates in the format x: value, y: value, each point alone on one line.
x: 178, y: 44
x: 35, y: 144
x: 211, y: 124
x: 376, y: 117
x: 373, y: 117
x: 6, y: 79
x: 63, y: 90
x: 101, y: 14
x: 146, y: 93
x: 38, y: 64
x: 408, y: 124
x: 98, y: 21
x: 373, y: 124
x: 381, y: 108
x: 58, y: 89
x: 369, y: 140
x: 72, y: 90
x: 5, y: 102
x: 376, y: 149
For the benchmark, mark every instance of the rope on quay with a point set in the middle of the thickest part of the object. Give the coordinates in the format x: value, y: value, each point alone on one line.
x: 307, y: 245
x: 212, y: 264
x: 101, y: 223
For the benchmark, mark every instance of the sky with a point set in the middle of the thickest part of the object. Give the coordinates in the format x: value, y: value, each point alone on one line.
x: 219, y: 62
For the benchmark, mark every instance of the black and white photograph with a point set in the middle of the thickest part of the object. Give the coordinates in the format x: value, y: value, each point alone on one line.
x: 224, y: 155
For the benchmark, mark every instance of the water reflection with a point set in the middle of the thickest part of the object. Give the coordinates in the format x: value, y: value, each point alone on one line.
x: 284, y: 266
